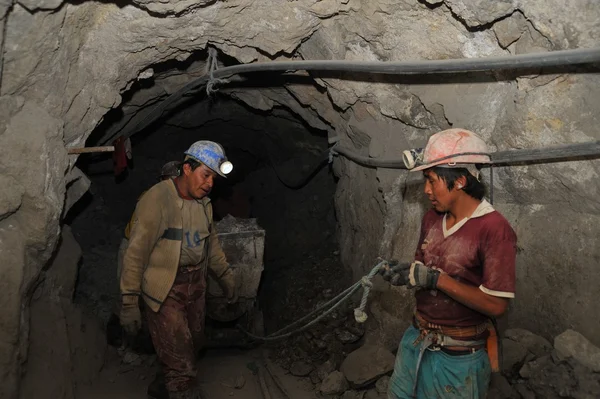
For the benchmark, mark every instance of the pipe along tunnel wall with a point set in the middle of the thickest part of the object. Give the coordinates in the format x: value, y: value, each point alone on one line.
x: 86, y: 59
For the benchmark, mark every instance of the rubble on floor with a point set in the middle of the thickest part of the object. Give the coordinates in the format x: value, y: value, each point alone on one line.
x: 366, y: 365
x: 297, y: 289
x: 330, y: 355
x: 572, y: 344
x: 532, y: 368
x: 334, y: 384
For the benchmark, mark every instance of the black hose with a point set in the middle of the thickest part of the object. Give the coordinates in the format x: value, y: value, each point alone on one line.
x: 394, y: 163
x: 523, y: 61
x: 298, y: 184
x: 548, y: 154
x: 462, y: 65
x: 510, y: 157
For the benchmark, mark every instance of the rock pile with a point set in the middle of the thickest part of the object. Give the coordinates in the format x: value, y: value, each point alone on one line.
x: 364, y: 374
x: 533, y: 368
x: 333, y: 357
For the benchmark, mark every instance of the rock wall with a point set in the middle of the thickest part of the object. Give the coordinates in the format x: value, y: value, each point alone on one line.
x: 67, y: 348
x: 65, y: 65
x: 379, y: 211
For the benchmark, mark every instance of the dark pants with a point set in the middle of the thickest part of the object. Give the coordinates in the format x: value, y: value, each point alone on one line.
x: 177, y: 329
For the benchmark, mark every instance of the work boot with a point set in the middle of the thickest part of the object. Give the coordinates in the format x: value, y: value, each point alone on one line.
x: 157, y: 388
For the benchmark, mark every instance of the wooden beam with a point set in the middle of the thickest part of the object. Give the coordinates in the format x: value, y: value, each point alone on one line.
x: 87, y: 150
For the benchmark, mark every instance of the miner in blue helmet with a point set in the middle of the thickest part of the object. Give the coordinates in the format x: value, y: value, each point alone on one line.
x: 172, y: 247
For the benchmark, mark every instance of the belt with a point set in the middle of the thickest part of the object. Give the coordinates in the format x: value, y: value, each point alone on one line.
x: 469, y: 332
x: 434, y: 337
x: 461, y: 352
x: 190, y: 268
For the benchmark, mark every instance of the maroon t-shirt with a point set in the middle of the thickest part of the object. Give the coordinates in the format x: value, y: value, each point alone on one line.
x: 480, y: 253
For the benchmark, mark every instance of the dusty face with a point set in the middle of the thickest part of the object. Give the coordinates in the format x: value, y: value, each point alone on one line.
x: 199, y: 181
x: 437, y: 191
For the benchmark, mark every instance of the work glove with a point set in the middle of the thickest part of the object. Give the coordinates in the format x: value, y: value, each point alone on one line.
x: 130, y: 315
x: 412, y: 275
x: 227, y: 281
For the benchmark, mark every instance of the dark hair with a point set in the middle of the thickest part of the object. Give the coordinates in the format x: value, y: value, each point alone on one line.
x: 473, y: 187
x: 193, y: 164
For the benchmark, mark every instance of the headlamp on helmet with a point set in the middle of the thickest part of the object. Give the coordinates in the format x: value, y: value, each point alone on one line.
x: 212, y: 155
x: 452, y: 148
x: 412, y: 157
x: 226, y: 167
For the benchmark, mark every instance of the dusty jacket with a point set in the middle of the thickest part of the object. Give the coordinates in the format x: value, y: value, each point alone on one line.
x: 152, y: 257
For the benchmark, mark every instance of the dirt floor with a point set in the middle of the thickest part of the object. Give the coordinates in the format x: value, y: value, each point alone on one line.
x: 289, y: 296
x: 222, y: 374
x: 290, y: 292
x: 291, y: 287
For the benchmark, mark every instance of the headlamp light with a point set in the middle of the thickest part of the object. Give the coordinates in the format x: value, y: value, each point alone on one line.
x: 226, y: 167
x: 412, y: 157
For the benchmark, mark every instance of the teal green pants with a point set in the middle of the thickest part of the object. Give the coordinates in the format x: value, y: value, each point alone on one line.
x: 441, y: 375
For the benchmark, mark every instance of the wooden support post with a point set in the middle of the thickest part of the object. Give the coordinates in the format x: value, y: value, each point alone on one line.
x: 87, y: 150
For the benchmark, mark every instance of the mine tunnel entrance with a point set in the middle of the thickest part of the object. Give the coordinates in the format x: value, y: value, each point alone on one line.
x: 281, y: 179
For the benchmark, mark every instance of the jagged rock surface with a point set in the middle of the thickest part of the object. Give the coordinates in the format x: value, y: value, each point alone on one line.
x: 81, y: 57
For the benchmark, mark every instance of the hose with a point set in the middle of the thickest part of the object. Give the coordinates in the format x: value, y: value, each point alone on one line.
x: 516, y: 62
x: 509, y: 157
x: 394, y: 163
x: 462, y: 65
x: 298, y: 184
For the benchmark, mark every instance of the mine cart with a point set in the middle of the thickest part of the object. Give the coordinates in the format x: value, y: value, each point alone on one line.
x: 243, y: 242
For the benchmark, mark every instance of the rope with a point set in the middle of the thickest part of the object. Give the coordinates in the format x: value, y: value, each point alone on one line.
x: 213, y: 65
x: 330, y: 306
x: 359, y: 313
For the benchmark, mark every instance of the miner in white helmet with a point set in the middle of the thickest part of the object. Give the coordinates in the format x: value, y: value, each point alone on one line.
x: 463, y: 274
x: 173, y: 244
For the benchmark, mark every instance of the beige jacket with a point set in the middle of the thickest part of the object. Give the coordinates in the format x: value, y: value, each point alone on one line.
x: 151, y: 260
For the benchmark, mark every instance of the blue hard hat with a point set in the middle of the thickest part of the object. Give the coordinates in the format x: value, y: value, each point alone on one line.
x: 212, y: 155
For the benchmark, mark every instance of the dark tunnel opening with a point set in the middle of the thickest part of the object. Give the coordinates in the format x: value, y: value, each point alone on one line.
x: 281, y: 178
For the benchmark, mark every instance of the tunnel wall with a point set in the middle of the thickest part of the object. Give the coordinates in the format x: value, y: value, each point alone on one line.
x: 65, y: 65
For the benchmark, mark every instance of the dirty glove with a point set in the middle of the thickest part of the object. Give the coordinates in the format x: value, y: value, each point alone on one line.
x: 130, y: 315
x: 411, y: 275
x: 227, y: 282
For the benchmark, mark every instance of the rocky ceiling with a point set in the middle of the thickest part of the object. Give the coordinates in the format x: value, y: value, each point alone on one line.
x: 66, y: 65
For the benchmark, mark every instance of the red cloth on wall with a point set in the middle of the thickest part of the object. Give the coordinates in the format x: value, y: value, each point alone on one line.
x: 119, y: 156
